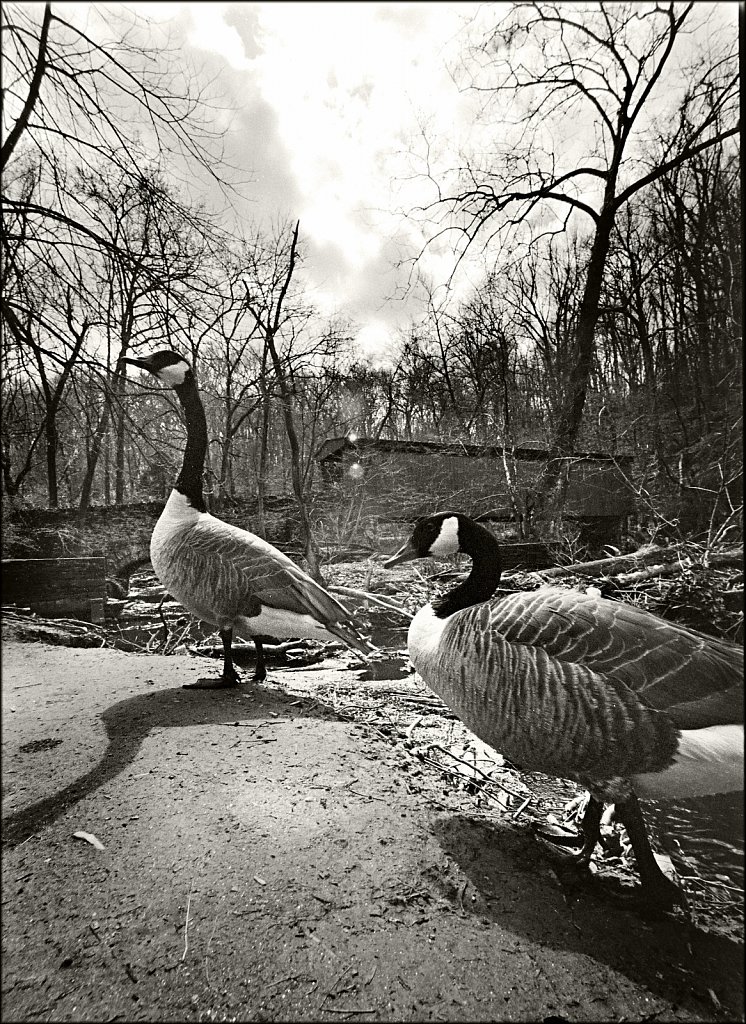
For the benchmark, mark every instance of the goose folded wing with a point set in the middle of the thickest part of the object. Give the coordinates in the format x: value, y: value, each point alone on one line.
x: 550, y: 713
x: 252, y: 570
x: 667, y: 664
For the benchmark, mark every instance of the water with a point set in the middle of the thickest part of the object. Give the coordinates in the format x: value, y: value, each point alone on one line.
x: 387, y: 668
x: 704, y: 837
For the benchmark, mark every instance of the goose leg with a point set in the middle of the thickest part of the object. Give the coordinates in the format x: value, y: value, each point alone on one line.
x: 591, y: 829
x: 260, y: 672
x: 656, y: 888
x: 229, y: 678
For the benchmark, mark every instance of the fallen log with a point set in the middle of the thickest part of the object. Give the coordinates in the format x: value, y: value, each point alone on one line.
x: 670, y: 556
x: 66, y: 633
x: 654, y: 572
x: 731, y: 556
x: 672, y: 568
x: 611, y: 566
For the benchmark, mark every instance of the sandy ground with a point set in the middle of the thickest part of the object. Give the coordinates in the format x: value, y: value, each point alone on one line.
x: 267, y: 858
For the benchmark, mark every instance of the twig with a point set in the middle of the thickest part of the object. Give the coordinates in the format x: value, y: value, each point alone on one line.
x: 186, y: 922
x: 706, y: 881
x: 331, y: 1009
x: 367, y: 795
x: 384, y: 602
x: 473, y: 767
x: 331, y: 990
x: 162, y: 617
x: 523, y: 806
x: 413, y: 726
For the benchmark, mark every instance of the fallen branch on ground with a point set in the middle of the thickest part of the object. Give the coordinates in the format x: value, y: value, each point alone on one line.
x: 383, y: 602
x: 648, y: 574
x: 611, y: 566
x: 670, y: 557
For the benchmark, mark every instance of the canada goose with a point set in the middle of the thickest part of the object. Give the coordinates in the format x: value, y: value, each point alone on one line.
x: 580, y: 687
x: 220, y: 573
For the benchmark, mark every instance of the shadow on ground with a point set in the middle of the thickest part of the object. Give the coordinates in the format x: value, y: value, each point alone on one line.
x: 667, y: 954
x: 128, y: 724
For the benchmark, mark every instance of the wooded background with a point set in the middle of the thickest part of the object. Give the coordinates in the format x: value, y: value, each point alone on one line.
x: 608, y: 317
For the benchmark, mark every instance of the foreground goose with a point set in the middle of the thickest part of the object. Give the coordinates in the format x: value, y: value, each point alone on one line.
x: 580, y: 687
x: 225, y: 575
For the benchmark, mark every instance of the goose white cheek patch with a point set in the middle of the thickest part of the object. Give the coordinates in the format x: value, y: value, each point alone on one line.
x: 446, y: 543
x: 173, y: 375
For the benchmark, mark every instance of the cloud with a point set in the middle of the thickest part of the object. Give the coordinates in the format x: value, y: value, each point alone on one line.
x: 321, y: 104
x: 347, y: 83
x: 210, y: 31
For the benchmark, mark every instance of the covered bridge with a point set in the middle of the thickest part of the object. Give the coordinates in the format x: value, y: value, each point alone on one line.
x: 414, y: 477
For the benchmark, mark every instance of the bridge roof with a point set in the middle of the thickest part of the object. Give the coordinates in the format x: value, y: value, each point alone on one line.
x: 334, y: 447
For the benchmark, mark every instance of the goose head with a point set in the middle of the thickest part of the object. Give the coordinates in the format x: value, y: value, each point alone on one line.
x: 168, y: 366
x: 445, y: 533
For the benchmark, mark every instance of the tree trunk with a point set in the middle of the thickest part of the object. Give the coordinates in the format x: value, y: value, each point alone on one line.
x: 311, y: 550
x: 119, y: 456
x: 577, y: 379
x: 52, y: 439
x: 107, y: 476
x: 261, y: 481
x: 95, y: 452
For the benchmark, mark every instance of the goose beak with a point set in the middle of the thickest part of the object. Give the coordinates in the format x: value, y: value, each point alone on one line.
x: 405, y: 554
x: 144, y: 364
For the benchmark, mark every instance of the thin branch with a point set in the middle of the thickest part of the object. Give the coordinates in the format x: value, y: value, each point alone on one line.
x: 672, y: 164
x: 33, y: 94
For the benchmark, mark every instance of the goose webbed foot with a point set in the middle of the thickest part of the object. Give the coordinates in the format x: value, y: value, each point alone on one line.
x: 651, y: 898
x: 226, y: 681
x: 588, y: 836
x: 229, y: 679
x: 656, y: 893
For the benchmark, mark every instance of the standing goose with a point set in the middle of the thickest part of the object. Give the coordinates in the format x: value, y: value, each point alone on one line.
x: 580, y: 687
x: 220, y: 573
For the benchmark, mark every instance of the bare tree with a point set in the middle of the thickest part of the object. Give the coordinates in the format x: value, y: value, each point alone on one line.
x: 231, y: 351
x: 143, y: 280
x: 265, y: 300
x: 610, y: 69
x: 87, y: 95
x: 43, y: 305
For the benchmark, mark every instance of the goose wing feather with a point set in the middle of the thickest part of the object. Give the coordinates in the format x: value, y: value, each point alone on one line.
x: 543, y: 711
x: 241, y: 572
x: 668, y: 665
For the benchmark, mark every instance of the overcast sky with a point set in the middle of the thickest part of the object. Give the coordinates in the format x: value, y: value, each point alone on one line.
x: 323, y: 106
x: 326, y: 99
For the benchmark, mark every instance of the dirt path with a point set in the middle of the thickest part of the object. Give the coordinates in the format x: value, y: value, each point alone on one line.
x: 265, y: 859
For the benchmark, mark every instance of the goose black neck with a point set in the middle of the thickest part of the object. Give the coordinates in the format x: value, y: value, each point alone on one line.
x: 189, y: 480
x: 484, y: 578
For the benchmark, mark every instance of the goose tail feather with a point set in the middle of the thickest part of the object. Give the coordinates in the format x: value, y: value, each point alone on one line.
x: 353, y: 640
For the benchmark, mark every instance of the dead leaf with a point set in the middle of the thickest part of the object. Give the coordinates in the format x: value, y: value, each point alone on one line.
x: 89, y: 838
